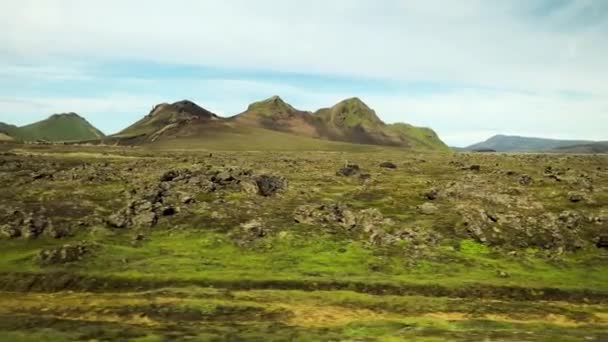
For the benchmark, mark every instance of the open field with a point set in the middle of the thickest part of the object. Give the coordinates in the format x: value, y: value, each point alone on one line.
x: 138, y: 244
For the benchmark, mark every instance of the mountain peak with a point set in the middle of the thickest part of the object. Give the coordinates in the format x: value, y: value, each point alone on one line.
x: 274, y: 102
x: 351, y: 112
x: 184, y: 108
x: 65, y: 116
x: 353, y: 101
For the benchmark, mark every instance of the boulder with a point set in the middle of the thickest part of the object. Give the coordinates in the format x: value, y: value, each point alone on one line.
x: 8, y: 231
x: 432, y: 194
x: 168, y: 211
x: 269, y: 185
x: 119, y: 220
x: 388, y: 165
x: 64, y: 254
x: 334, y: 214
x: 56, y: 232
x: 249, y: 186
x: 32, y: 227
x: 146, y: 219
x: 254, y: 228
x: 575, y: 197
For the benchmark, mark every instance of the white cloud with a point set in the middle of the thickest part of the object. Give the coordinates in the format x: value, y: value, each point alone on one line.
x: 500, y: 45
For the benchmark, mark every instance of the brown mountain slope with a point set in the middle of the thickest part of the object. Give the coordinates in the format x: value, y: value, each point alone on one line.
x: 176, y: 119
x: 275, y: 114
x: 349, y: 121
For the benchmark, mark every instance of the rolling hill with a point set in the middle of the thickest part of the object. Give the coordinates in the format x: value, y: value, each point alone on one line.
x: 349, y: 121
x: 7, y: 131
x: 56, y: 128
x: 512, y: 143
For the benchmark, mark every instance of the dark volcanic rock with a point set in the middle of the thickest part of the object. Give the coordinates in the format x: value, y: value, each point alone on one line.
x: 268, y: 185
x: 575, y: 197
x: 42, y: 175
x: 168, y: 211
x: 432, y: 194
x: 119, y: 220
x: 32, y: 227
x: 388, y: 165
x: 8, y: 231
x: 602, y: 242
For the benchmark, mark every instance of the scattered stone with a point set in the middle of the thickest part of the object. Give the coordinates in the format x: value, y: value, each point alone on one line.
x: 269, y: 185
x: 175, y: 175
x: 32, y: 227
x: 369, y: 221
x: 147, y: 219
x: 64, y: 254
x: 42, y: 175
x: 432, y: 194
x: 525, y: 180
x: 349, y: 170
x: 249, y: 186
x: 502, y: 274
x: 8, y: 231
x: 575, y: 197
x: 56, y: 232
x: 254, y: 228
x: 388, y: 165
x: 188, y: 200
x: 476, y: 168
x: 223, y: 178
x: 118, y: 220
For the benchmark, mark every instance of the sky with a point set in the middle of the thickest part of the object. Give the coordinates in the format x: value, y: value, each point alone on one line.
x: 469, y: 69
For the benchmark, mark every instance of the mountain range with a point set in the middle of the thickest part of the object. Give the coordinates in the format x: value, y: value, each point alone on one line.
x: 273, y: 121
x: 513, y: 143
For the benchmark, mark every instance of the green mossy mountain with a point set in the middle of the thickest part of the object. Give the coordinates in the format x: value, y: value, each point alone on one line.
x: 348, y: 114
x: 56, y: 128
x: 350, y: 120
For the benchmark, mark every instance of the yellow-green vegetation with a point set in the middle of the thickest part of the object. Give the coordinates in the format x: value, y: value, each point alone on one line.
x: 436, y: 246
x: 349, y: 114
x: 421, y: 136
x: 246, y: 138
